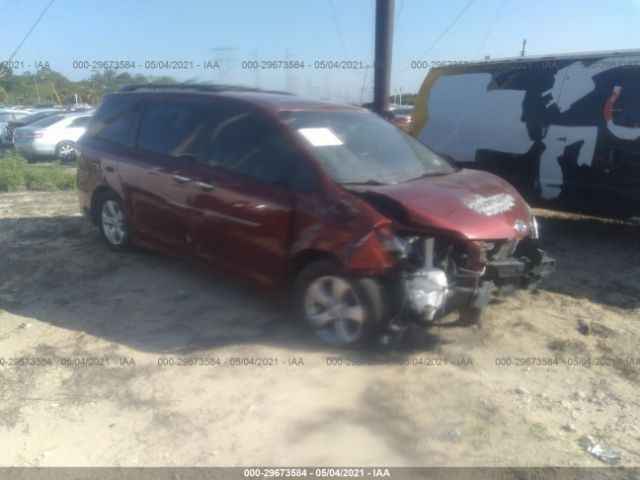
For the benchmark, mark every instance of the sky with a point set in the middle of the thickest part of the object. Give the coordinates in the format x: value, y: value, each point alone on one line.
x: 230, y: 32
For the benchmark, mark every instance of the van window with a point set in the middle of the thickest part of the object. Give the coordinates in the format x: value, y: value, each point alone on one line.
x: 114, y: 120
x: 247, y: 144
x: 173, y: 128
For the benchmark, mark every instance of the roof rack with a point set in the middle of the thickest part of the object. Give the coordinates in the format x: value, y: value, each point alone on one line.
x: 198, y: 87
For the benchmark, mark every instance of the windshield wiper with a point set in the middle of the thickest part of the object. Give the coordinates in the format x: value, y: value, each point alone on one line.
x: 427, y: 175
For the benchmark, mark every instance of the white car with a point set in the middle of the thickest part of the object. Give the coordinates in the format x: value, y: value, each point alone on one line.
x: 53, y: 135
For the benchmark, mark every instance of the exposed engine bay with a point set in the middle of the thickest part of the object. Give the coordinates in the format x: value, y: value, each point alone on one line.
x: 440, y: 271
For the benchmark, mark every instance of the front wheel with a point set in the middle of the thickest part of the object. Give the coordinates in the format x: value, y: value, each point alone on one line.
x: 113, y: 222
x: 340, y: 309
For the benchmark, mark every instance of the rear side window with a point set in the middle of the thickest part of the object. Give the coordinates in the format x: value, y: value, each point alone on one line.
x: 173, y: 128
x: 115, y: 119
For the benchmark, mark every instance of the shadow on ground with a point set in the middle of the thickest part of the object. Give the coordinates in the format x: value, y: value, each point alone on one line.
x: 55, y: 269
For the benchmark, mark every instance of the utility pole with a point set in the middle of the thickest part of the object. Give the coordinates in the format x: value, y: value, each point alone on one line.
x: 382, y: 63
x: 524, y: 44
x: 225, y: 60
x: 364, y: 83
x: 291, y: 80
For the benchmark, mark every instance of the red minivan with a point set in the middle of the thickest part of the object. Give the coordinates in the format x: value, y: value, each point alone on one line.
x: 371, y: 228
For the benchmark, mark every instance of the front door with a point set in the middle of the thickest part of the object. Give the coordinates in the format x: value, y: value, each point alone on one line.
x: 244, y: 206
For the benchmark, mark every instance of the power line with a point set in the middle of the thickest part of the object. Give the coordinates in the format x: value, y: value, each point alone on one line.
x: 444, y: 32
x: 398, y: 14
x: 30, y: 30
x: 335, y: 18
x: 490, y: 28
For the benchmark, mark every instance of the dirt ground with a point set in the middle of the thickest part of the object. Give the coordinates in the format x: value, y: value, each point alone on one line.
x: 95, y: 350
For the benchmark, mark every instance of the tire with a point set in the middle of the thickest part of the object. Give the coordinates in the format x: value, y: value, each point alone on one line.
x: 66, y: 151
x: 340, y: 309
x: 471, y: 316
x: 113, y: 222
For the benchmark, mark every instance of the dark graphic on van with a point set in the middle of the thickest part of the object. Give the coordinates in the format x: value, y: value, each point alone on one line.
x: 563, y: 128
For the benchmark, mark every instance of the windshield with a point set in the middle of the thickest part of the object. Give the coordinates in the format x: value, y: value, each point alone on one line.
x: 360, y: 147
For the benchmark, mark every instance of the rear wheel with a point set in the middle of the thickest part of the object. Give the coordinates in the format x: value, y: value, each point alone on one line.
x: 113, y: 222
x: 66, y: 151
x: 340, y: 309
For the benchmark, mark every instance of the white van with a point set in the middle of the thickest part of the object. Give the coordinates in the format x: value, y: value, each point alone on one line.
x: 560, y: 128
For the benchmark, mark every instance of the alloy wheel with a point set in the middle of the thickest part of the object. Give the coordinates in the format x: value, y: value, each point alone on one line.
x: 113, y: 222
x: 334, y: 310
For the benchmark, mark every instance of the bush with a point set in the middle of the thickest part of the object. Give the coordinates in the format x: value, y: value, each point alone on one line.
x: 17, y: 174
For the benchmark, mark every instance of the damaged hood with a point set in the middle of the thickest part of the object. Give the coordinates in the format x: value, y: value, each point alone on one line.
x: 476, y: 205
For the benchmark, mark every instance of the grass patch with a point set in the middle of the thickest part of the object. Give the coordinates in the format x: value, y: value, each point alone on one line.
x: 16, y: 174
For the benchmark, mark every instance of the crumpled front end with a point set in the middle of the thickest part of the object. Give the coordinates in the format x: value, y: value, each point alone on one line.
x: 440, y: 272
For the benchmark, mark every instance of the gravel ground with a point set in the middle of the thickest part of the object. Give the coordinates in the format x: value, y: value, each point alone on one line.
x: 142, y: 360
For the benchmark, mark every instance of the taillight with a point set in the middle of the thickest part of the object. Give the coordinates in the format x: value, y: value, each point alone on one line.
x: 33, y: 134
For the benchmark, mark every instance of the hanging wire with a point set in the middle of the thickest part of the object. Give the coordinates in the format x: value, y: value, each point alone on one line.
x: 490, y: 29
x: 335, y: 18
x: 30, y: 30
x: 442, y: 34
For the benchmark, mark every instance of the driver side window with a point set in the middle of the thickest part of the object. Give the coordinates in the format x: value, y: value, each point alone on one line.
x: 246, y: 144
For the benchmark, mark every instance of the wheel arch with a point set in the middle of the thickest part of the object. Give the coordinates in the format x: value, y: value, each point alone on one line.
x: 305, y: 257
x: 65, y: 141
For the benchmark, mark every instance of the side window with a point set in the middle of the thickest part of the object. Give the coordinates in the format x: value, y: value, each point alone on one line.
x: 115, y: 119
x: 173, y: 128
x: 303, y: 179
x: 249, y: 145
x: 79, y: 122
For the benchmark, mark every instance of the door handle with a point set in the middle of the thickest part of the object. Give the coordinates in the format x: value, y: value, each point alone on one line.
x: 181, y: 179
x: 205, y: 185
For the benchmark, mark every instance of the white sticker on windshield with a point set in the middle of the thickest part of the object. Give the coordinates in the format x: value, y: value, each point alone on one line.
x: 320, y: 137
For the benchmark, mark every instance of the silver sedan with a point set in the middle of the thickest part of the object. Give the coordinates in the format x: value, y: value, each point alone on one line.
x: 54, y: 135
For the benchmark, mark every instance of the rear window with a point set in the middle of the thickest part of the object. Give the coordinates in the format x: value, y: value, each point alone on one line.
x: 48, y: 121
x: 114, y: 119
